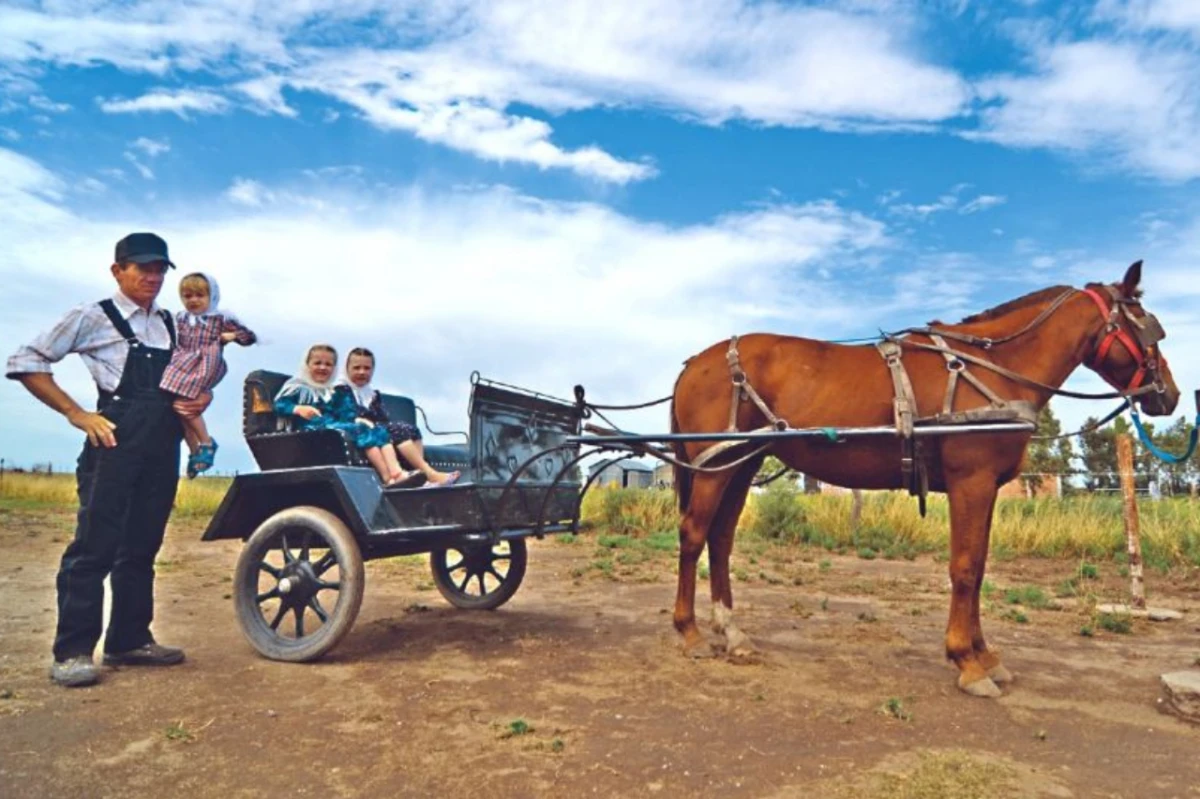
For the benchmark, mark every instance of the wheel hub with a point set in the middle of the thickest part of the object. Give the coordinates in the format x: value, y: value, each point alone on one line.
x: 298, y: 583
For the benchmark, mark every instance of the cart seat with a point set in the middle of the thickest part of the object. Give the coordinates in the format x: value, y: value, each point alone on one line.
x: 275, y: 445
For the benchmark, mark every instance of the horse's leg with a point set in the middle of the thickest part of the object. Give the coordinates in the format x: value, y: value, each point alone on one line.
x: 720, y: 547
x: 987, y: 658
x: 703, y: 503
x: 972, y: 498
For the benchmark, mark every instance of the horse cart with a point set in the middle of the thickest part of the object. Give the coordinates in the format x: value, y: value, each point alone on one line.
x: 316, y: 512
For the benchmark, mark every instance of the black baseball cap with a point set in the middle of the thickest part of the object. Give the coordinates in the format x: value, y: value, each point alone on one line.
x: 142, y: 248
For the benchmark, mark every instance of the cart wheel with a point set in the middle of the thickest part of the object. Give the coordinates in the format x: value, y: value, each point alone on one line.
x: 481, y: 577
x: 298, y: 584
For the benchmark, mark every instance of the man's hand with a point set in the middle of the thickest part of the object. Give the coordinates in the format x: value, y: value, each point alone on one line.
x: 99, y: 429
x: 190, y: 409
x: 306, y: 412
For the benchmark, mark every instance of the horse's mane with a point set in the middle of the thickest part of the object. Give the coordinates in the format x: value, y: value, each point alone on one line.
x: 1005, y: 308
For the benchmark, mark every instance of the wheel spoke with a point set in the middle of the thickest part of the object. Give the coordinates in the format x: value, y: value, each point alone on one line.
x: 497, y: 556
x: 327, y: 560
x: 288, y: 557
x: 299, y: 613
x: 278, y: 616
x: 482, y: 588
x: 304, y: 548
x: 495, y: 574
x: 315, y: 604
x: 263, y: 597
x: 457, y: 565
x: 324, y: 586
x: 269, y: 569
x: 462, y: 587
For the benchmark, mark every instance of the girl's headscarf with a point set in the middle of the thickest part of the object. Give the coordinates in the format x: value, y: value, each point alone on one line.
x: 214, y: 301
x: 305, y: 387
x: 363, y: 395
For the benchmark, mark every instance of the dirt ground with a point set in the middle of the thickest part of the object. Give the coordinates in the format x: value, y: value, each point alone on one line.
x: 577, y: 686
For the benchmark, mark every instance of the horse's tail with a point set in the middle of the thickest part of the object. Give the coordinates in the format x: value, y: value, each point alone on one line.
x: 683, y: 477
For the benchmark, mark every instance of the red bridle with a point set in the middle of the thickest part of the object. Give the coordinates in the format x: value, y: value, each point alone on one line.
x: 1145, y: 358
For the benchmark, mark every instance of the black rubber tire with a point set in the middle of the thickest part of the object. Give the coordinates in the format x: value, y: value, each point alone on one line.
x: 308, y: 524
x: 450, y: 565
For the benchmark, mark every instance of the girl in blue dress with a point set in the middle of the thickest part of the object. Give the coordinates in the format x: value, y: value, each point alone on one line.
x: 310, y: 401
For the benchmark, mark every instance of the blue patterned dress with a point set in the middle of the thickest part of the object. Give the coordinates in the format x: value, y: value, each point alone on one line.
x: 337, y: 413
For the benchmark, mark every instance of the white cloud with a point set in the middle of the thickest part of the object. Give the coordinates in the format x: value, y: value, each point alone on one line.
x: 555, y: 292
x: 43, y: 103
x: 1135, y: 103
x: 1152, y: 15
x: 146, y: 172
x: 177, y: 102
x: 249, y: 193
x: 454, y: 74
x: 982, y: 203
x: 8, y: 134
x: 151, y: 147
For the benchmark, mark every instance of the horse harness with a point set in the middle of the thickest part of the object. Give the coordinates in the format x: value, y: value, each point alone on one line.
x: 1147, y: 329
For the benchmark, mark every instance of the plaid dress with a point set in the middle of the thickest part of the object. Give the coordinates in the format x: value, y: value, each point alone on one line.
x: 197, y: 364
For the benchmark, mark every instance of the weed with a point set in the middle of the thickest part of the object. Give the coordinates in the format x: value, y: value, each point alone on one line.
x: 517, y: 728
x: 866, y: 553
x: 867, y: 616
x: 178, y: 732
x: 895, y: 708
x: 1086, y: 631
x: 557, y: 745
x: 1030, y: 596
x: 1088, y: 571
x: 567, y: 538
x: 825, y: 603
x: 1120, y: 623
x: 825, y: 565
x: 1012, y: 614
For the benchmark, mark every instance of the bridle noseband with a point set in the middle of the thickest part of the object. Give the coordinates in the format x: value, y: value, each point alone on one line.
x: 1144, y: 351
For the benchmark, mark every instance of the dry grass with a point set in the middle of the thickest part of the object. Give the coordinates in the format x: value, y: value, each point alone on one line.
x: 939, y: 775
x: 1086, y: 527
x: 199, y: 497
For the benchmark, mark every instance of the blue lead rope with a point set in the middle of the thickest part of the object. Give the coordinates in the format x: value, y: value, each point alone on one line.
x: 1162, y: 455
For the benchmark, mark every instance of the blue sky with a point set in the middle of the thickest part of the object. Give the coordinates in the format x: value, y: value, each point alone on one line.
x: 554, y: 193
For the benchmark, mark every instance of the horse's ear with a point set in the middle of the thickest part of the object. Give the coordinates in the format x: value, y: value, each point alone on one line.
x: 1129, y: 283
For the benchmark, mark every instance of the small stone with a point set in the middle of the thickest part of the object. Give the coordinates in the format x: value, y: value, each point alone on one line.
x: 1164, y: 614
x: 6, y: 693
x: 271, y: 714
x: 1182, y: 691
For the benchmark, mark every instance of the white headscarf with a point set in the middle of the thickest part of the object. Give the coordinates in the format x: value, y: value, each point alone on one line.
x: 214, y: 299
x: 305, y: 387
x: 363, y: 395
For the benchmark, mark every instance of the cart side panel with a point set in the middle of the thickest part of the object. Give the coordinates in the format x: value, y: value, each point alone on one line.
x: 509, y: 427
x: 353, y: 494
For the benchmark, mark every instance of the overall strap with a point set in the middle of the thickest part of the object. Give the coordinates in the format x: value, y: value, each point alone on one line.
x: 169, y: 321
x: 119, y: 322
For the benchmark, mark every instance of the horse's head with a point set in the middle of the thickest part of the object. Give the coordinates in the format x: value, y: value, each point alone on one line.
x: 1138, y: 362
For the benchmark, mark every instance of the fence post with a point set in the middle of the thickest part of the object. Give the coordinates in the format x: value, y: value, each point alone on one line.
x: 856, y: 506
x: 1137, y: 589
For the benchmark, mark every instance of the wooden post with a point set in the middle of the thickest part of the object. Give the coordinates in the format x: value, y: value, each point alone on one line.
x: 856, y: 506
x: 1137, y: 589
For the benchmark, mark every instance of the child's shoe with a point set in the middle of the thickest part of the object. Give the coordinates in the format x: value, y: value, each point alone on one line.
x: 205, y: 455
x: 191, y: 466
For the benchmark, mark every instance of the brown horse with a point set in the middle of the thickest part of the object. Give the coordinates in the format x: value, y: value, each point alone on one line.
x: 810, y: 383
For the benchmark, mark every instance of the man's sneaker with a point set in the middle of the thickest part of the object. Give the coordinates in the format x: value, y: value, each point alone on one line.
x: 147, y: 655
x: 75, y: 672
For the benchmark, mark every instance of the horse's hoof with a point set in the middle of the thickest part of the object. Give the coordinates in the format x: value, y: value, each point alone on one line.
x: 983, y: 687
x: 1001, y: 675
x: 698, y: 650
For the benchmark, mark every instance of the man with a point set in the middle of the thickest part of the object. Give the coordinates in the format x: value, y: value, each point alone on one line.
x: 129, y: 468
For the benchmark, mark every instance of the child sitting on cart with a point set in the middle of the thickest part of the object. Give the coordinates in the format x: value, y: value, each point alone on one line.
x: 310, y: 399
x: 360, y: 368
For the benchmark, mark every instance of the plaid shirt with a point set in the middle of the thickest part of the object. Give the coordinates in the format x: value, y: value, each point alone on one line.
x: 87, y: 331
x: 197, y: 364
